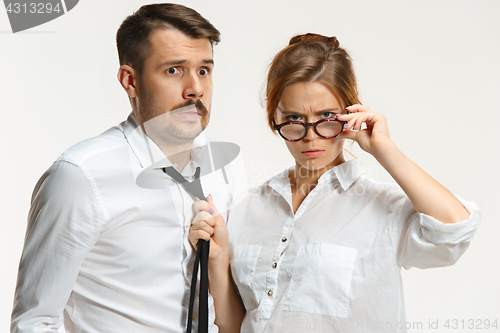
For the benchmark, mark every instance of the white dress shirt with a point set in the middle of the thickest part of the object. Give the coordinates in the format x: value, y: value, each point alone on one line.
x: 334, y: 265
x: 108, y: 252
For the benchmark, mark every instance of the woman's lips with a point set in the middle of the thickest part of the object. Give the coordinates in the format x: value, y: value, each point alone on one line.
x: 313, y: 153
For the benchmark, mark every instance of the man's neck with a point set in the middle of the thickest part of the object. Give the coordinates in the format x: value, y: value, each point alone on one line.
x: 178, y: 155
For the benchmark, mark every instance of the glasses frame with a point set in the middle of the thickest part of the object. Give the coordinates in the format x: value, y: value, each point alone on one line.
x: 313, y: 125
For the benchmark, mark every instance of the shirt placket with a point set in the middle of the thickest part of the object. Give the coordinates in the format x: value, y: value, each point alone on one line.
x: 270, y: 297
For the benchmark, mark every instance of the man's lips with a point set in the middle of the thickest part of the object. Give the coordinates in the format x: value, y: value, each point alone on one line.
x: 312, y: 153
x: 188, y: 112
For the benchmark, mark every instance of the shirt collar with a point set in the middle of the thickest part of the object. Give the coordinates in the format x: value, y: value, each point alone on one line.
x: 346, y: 173
x: 147, y: 152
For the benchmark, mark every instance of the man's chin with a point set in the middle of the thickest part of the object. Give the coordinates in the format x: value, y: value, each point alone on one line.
x: 189, y: 132
x: 175, y: 129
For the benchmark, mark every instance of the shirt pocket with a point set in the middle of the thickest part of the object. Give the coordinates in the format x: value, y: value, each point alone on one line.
x: 321, y: 280
x: 243, y: 260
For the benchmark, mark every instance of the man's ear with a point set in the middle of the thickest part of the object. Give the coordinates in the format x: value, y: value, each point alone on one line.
x: 128, y: 78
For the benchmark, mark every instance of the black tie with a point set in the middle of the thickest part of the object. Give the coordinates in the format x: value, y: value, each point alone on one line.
x: 194, y: 188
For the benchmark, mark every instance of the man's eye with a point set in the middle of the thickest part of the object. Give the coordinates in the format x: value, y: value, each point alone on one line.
x: 203, y: 72
x: 173, y: 70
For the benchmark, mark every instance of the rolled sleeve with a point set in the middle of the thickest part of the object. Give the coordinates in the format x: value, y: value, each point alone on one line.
x: 451, y: 233
x: 425, y: 242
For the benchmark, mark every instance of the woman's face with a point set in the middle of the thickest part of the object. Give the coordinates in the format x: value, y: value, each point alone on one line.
x: 309, y: 102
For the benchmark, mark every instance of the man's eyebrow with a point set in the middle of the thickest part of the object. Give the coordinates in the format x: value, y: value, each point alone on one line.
x: 181, y: 62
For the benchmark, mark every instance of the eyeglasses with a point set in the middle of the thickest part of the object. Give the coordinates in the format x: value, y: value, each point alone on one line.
x: 296, y: 130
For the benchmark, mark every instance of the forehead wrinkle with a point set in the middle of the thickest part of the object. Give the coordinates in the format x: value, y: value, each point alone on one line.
x: 178, y: 49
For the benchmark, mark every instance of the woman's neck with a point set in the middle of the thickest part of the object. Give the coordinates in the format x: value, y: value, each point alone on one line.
x: 303, y: 180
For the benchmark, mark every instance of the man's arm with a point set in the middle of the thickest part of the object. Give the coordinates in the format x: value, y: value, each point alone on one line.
x: 63, y: 224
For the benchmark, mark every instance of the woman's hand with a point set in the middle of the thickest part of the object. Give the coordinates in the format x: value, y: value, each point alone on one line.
x: 209, y: 225
x: 376, y: 133
x: 427, y: 195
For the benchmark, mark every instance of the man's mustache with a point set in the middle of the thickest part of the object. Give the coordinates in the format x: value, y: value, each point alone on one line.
x: 198, y: 103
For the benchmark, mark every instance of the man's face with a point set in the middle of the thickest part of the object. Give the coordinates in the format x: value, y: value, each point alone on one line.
x: 177, y: 73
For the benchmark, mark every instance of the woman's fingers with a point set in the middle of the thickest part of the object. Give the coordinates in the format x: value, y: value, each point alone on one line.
x: 209, y: 225
x: 210, y: 201
x: 204, y: 227
x: 205, y: 220
x: 358, y: 108
x: 356, y: 120
x: 375, y: 133
x: 202, y: 224
x: 200, y: 230
x: 204, y: 216
x: 347, y: 134
x: 202, y: 205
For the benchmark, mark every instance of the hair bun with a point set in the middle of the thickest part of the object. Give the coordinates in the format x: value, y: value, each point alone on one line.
x: 330, y: 41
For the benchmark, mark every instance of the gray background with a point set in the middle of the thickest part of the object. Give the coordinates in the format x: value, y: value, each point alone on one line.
x: 430, y: 66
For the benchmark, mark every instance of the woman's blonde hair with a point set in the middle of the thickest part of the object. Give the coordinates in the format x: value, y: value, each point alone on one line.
x: 311, y: 58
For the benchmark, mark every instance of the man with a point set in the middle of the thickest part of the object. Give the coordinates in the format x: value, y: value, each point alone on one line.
x: 106, y: 246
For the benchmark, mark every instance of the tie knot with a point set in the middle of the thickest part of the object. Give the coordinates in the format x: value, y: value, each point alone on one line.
x: 193, y: 188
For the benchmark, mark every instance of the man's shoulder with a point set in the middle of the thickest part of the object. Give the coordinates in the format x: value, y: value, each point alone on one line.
x: 100, y: 147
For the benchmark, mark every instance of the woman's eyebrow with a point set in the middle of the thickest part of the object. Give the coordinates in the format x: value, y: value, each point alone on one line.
x: 287, y: 112
x: 327, y: 110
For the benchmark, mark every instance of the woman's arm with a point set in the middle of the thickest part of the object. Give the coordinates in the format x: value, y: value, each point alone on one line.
x: 426, y: 194
x: 209, y: 225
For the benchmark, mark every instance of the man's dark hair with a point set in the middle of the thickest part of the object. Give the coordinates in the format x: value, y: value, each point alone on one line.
x: 132, y: 38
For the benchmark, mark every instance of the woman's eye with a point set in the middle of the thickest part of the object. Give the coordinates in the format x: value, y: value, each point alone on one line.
x: 173, y: 70
x: 293, y: 118
x: 327, y: 114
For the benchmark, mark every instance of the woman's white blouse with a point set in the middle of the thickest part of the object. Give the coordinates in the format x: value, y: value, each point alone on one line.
x: 334, y: 265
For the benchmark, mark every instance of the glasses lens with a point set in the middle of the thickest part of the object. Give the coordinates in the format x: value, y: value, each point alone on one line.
x: 293, y: 131
x: 329, y: 128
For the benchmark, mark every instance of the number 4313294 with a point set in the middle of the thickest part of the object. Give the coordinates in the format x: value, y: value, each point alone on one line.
x: 32, y: 8
x: 473, y: 324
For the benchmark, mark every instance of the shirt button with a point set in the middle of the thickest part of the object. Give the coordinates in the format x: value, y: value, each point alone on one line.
x: 284, y: 239
x: 275, y: 265
x: 269, y: 293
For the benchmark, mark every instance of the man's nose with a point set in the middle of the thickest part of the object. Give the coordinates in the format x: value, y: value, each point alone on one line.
x: 193, y: 88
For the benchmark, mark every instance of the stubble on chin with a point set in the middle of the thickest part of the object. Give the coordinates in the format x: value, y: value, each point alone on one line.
x: 173, y: 133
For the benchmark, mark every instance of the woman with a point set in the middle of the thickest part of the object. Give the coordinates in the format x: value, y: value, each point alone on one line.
x: 320, y: 246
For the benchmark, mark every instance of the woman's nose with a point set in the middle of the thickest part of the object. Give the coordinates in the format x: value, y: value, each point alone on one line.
x: 310, y: 134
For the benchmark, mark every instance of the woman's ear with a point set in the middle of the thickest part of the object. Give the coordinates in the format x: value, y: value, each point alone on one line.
x: 127, y: 77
